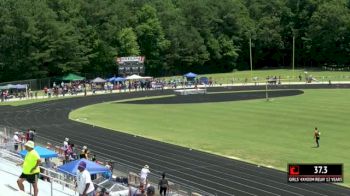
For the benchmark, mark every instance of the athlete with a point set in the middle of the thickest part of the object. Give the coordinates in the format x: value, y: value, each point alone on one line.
x: 317, y: 134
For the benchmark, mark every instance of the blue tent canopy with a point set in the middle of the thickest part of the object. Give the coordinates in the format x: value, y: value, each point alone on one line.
x: 12, y: 86
x: 21, y: 86
x: 111, y: 79
x: 72, y: 167
x: 43, y: 152
x: 116, y: 79
x: 190, y: 75
x: 119, y: 79
x: 204, y: 80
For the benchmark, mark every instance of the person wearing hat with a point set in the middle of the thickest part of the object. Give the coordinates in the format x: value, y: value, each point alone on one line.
x: 16, y: 140
x: 31, y: 168
x: 143, y: 175
x: 84, y: 182
x: 84, y: 154
x: 65, y: 143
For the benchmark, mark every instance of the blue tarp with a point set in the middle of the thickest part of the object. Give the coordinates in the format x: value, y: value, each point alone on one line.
x: 190, y: 75
x: 116, y: 79
x: 72, y: 167
x: 43, y: 152
x: 21, y: 86
x: 12, y: 86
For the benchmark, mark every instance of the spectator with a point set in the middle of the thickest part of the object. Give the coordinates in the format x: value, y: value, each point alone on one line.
x: 84, y: 182
x: 30, y: 168
x: 32, y: 135
x: 16, y: 141
x: 48, y: 165
x: 163, y: 185
x: 68, y: 154
x: 103, y: 192
x: 140, y: 191
x: 93, y: 158
x: 27, y: 135
x: 143, y: 175
x: 108, y: 175
x: 65, y: 144
x: 150, y: 191
x: 84, y: 153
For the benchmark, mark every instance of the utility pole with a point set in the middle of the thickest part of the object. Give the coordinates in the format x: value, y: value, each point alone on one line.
x: 293, y: 60
x: 251, y: 60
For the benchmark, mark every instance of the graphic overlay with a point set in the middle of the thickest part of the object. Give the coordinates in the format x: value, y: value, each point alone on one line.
x: 131, y: 65
x: 321, y: 173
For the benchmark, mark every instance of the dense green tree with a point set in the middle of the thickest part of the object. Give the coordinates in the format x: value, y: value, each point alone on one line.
x: 127, y: 43
x: 329, y: 33
x: 43, y: 38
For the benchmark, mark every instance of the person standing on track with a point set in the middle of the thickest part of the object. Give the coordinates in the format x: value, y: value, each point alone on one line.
x: 317, y: 134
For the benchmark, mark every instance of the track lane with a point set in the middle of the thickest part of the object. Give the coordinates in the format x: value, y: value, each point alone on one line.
x: 186, y: 169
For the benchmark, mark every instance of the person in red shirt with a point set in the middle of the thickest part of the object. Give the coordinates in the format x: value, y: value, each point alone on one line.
x: 27, y: 135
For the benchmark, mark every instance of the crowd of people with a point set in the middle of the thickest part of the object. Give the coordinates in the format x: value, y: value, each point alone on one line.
x: 85, y: 179
x: 68, y: 152
x: 8, y: 94
x: 20, y: 138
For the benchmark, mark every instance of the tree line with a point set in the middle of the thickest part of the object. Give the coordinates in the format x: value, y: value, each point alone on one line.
x: 44, y: 38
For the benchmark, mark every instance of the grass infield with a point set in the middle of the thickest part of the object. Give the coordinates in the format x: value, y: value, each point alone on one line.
x: 287, y: 75
x: 270, y: 133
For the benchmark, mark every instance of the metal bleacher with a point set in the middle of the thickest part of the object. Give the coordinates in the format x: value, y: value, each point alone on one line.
x: 9, y: 173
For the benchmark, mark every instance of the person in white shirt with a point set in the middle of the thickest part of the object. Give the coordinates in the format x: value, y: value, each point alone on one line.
x: 65, y: 143
x: 84, y: 183
x: 16, y: 141
x: 143, y: 175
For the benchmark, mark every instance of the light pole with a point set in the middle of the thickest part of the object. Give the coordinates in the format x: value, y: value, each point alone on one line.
x: 250, y: 55
x: 293, y: 60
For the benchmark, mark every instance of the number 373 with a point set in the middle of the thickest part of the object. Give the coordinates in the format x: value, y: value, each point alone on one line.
x: 320, y: 169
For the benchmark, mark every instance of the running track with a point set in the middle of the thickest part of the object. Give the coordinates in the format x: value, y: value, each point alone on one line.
x: 211, y: 173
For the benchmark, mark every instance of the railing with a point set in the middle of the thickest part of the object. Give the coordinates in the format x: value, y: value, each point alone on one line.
x: 120, y: 168
x: 52, y: 175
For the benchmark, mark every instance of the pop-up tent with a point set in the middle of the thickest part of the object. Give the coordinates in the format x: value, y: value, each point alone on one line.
x: 11, y: 86
x: 134, y: 77
x: 116, y: 79
x: 98, y: 80
x: 190, y: 75
x: 72, y: 77
x: 43, y: 152
x: 72, y: 167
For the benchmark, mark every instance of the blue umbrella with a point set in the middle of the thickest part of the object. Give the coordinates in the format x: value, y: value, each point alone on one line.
x: 72, y: 167
x: 43, y: 152
x: 190, y: 75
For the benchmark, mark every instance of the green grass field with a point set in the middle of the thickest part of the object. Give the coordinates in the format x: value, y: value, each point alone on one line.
x: 286, y: 75
x: 269, y: 133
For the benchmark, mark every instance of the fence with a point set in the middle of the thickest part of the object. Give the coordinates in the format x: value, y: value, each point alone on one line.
x: 119, y: 168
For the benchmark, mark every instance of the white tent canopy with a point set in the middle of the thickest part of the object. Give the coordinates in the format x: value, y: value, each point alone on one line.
x: 98, y: 80
x: 134, y: 77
